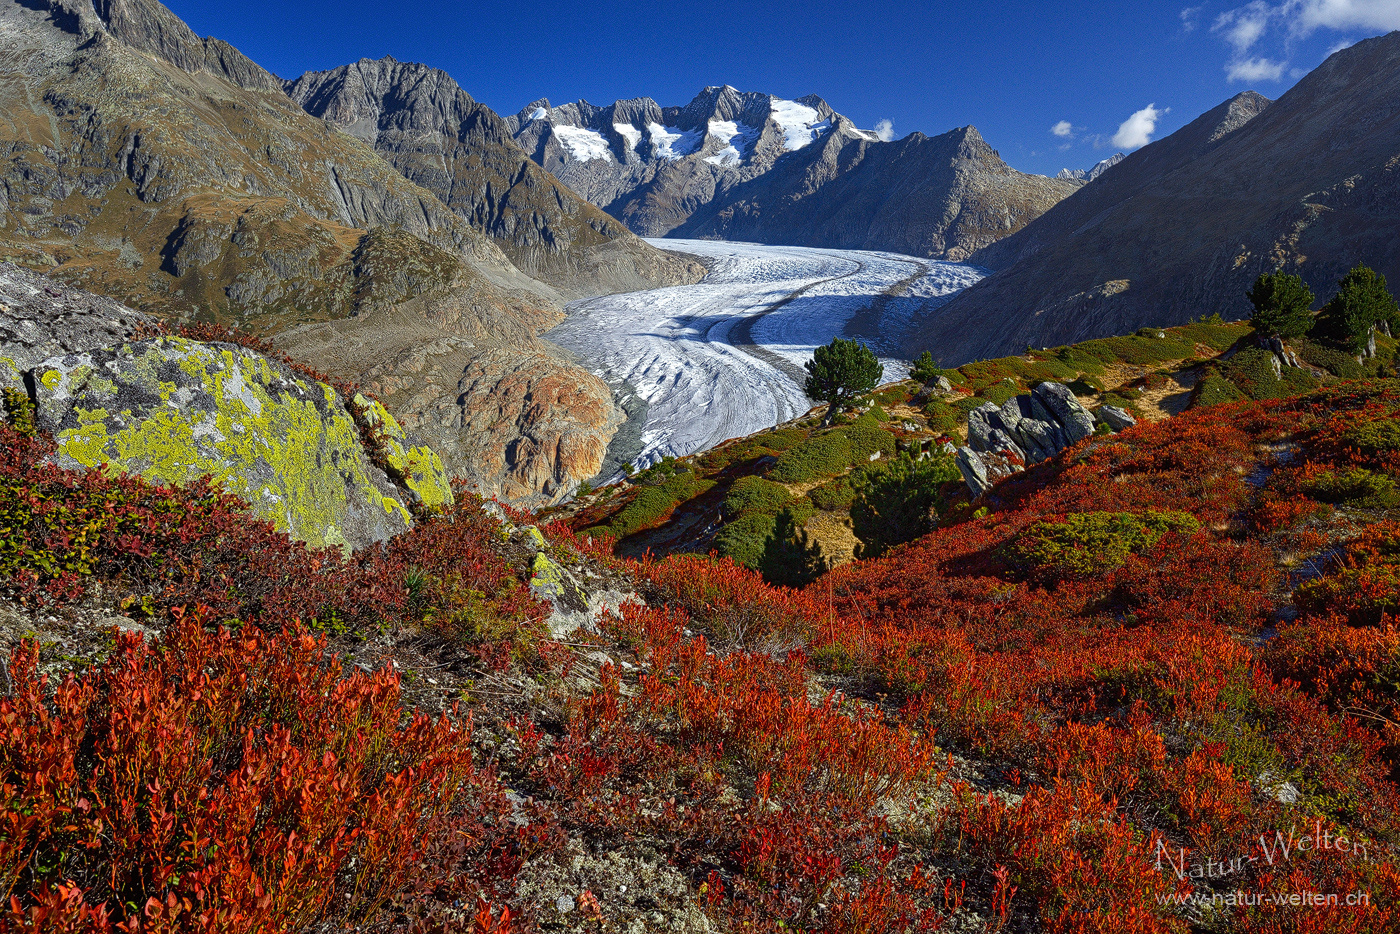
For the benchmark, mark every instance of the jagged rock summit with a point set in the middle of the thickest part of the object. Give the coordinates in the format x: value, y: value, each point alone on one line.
x: 751, y: 166
x: 653, y: 166
x: 425, y: 125
x: 1093, y: 172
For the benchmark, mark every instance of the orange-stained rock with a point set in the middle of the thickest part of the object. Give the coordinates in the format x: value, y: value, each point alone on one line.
x: 532, y: 426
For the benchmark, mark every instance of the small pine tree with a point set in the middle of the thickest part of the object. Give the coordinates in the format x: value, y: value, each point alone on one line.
x: 1361, y: 303
x: 1281, y: 304
x: 898, y: 502
x: 790, y: 558
x: 924, y: 370
x: 840, y: 372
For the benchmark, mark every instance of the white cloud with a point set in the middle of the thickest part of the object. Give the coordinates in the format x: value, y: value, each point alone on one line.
x: 1338, y: 46
x: 1254, y: 69
x: 1243, y: 26
x: 1189, y: 17
x: 1063, y: 130
x: 885, y: 130
x: 1306, y: 16
x: 1136, y: 131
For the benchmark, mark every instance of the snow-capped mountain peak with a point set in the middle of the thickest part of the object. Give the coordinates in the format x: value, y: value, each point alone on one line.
x: 1089, y: 174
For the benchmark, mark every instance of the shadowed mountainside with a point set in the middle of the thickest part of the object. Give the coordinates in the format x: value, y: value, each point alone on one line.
x: 1182, y: 227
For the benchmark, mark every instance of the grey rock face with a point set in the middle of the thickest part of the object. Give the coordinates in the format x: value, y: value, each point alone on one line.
x: 425, y: 125
x: 1282, y: 354
x: 1075, y: 420
x: 983, y: 470
x: 1042, y: 439
x: 1025, y: 430
x: 1116, y: 418
x: 746, y: 166
x: 40, y: 318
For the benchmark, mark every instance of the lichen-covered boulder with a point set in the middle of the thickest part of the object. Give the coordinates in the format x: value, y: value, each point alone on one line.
x: 172, y: 410
x: 416, y: 467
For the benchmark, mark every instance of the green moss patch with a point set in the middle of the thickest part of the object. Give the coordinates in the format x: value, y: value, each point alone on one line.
x: 755, y: 494
x: 1093, y: 543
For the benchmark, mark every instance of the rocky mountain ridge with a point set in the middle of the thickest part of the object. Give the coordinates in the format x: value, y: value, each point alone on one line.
x: 653, y: 166
x: 942, y: 197
x: 751, y: 166
x: 1094, y: 171
x: 1183, y: 226
x: 425, y: 125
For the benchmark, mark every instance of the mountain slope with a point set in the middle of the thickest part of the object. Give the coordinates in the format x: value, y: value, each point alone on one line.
x: 174, y: 175
x: 1182, y: 227
x: 1132, y: 175
x: 743, y: 165
x: 427, y: 127
x: 942, y: 197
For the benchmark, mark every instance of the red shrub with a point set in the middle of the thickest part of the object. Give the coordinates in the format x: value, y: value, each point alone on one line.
x: 230, y: 782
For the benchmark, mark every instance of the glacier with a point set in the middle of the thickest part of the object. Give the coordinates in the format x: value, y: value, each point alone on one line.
x: 723, y: 358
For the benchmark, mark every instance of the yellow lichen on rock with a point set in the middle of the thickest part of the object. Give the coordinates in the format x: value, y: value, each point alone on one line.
x: 172, y: 410
x: 416, y: 466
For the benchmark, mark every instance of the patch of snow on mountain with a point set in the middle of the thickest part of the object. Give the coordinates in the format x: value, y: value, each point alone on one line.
x: 800, y: 124
x: 737, y: 137
x: 539, y: 114
x: 583, y: 145
x: 630, y: 133
x: 671, y: 143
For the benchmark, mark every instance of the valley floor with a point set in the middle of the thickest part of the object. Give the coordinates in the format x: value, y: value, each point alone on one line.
x: 723, y: 358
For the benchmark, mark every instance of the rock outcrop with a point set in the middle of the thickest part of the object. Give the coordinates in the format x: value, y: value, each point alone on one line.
x: 426, y: 126
x: 576, y: 595
x: 174, y: 410
x: 748, y: 166
x: 40, y: 318
x: 540, y: 429
x: 1027, y: 429
x: 1309, y: 184
x: 519, y: 423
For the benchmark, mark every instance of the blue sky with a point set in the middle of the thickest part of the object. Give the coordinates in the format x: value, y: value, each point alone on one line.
x: 1048, y: 85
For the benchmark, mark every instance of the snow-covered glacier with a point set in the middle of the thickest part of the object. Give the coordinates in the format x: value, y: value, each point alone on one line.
x: 723, y: 358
